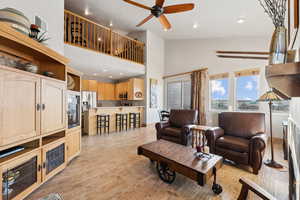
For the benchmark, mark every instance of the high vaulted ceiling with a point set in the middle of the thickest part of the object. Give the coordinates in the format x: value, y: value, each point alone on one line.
x: 214, y: 18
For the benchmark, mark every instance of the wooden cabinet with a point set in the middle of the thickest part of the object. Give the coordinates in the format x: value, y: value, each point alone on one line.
x: 121, y: 91
x: 19, y: 107
x: 136, y: 89
x: 14, y: 185
x: 54, y: 158
x: 90, y: 85
x: 53, y: 106
x: 106, y: 91
x: 73, y: 144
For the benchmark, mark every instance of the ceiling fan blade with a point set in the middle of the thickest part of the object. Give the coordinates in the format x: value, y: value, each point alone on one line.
x: 137, y: 4
x: 178, y: 8
x: 145, y: 20
x: 165, y: 22
x: 160, y: 2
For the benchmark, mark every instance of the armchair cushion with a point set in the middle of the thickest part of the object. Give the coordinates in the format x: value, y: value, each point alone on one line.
x: 233, y: 143
x: 180, y: 118
x: 240, y: 124
x: 171, y: 131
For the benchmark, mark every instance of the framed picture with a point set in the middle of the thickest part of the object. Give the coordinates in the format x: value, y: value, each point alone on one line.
x: 153, y: 93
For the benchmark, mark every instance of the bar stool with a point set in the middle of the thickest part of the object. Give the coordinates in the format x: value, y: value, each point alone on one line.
x: 121, y: 121
x: 134, y: 119
x: 103, y: 123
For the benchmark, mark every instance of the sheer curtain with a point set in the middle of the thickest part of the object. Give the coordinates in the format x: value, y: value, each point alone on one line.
x: 199, y: 90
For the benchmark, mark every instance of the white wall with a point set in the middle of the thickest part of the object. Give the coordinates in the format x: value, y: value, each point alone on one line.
x: 188, y: 55
x: 52, y: 11
x: 155, y: 61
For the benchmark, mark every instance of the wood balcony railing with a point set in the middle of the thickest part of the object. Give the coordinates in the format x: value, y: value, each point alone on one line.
x: 85, y: 33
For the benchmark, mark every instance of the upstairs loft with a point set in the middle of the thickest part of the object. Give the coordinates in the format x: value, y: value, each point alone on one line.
x: 84, y: 33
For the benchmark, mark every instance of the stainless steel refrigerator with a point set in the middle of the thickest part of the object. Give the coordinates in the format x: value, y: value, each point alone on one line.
x: 89, y: 100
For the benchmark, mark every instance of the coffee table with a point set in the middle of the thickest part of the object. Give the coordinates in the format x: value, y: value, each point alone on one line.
x: 171, y: 158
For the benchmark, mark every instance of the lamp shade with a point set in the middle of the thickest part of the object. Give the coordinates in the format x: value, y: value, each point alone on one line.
x: 270, y: 96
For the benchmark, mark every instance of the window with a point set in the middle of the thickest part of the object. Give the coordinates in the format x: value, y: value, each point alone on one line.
x: 281, y: 106
x: 219, y: 92
x: 179, y: 94
x: 247, y: 90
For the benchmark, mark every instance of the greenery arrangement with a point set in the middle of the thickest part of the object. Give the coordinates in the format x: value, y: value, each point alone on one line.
x: 276, y: 10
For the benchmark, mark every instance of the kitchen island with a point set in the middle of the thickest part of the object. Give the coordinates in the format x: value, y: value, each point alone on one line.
x: 90, y: 117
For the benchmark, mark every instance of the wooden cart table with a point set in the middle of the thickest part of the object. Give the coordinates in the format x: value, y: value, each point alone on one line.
x: 171, y: 158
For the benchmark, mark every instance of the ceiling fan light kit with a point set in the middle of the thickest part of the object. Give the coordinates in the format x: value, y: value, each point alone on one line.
x: 159, y: 11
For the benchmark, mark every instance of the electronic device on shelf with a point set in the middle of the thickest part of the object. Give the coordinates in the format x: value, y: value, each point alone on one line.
x: 11, y: 151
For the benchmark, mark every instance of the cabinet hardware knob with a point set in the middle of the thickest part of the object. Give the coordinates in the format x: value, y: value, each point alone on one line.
x: 44, y: 165
x: 38, y: 107
x: 43, y: 106
x: 39, y: 167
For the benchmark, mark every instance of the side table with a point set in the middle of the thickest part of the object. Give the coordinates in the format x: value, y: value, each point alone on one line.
x: 198, y: 136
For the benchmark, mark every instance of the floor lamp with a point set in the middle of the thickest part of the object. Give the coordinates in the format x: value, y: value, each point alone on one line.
x: 270, y: 96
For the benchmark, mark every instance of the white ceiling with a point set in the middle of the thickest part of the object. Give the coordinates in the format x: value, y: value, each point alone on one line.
x: 215, y: 18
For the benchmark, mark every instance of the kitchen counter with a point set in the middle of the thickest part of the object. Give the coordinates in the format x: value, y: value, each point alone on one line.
x: 90, y: 117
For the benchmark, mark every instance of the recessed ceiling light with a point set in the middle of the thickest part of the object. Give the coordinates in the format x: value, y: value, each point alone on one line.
x: 111, y: 24
x: 86, y: 12
x: 121, y: 73
x: 104, y: 70
x: 110, y: 77
x: 241, y: 20
x: 195, y: 25
x: 165, y: 29
x: 99, y: 39
x: 95, y: 74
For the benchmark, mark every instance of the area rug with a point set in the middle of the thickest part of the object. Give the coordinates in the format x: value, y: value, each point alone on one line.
x: 52, y: 197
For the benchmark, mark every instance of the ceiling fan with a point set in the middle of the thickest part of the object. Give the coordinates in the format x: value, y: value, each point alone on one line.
x: 158, y: 11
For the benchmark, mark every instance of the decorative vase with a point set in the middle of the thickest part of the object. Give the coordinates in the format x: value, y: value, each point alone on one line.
x: 278, y: 47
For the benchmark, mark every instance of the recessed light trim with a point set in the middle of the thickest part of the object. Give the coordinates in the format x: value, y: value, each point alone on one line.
x: 195, y: 26
x: 86, y: 12
x: 104, y: 70
x: 241, y: 20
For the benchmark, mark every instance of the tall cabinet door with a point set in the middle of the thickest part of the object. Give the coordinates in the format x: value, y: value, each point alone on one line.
x: 53, y: 106
x: 19, y: 106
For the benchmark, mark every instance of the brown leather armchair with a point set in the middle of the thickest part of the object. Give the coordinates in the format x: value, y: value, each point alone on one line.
x: 240, y: 138
x: 178, y: 128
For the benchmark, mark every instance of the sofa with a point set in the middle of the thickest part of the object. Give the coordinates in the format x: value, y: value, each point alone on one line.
x: 240, y: 137
x: 178, y: 128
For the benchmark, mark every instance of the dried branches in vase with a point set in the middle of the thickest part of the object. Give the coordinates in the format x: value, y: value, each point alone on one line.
x: 276, y: 9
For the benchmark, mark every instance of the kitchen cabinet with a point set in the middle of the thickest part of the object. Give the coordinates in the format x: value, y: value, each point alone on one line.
x: 19, y: 106
x: 90, y: 85
x: 14, y: 185
x: 122, y: 90
x: 106, y: 91
x: 136, y: 89
x: 73, y: 144
x: 54, y: 158
x: 53, y: 106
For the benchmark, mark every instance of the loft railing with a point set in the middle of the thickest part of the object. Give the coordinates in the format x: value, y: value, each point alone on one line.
x: 87, y: 34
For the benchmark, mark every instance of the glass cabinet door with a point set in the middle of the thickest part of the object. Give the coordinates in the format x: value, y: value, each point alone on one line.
x: 21, y: 176
x: 54, y: 159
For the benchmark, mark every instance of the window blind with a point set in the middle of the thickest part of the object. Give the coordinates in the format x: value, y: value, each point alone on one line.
x: 219, y: 76
x: 248, y: 72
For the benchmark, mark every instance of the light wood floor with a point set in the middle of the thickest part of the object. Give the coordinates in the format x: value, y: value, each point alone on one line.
x: 109, y: 168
